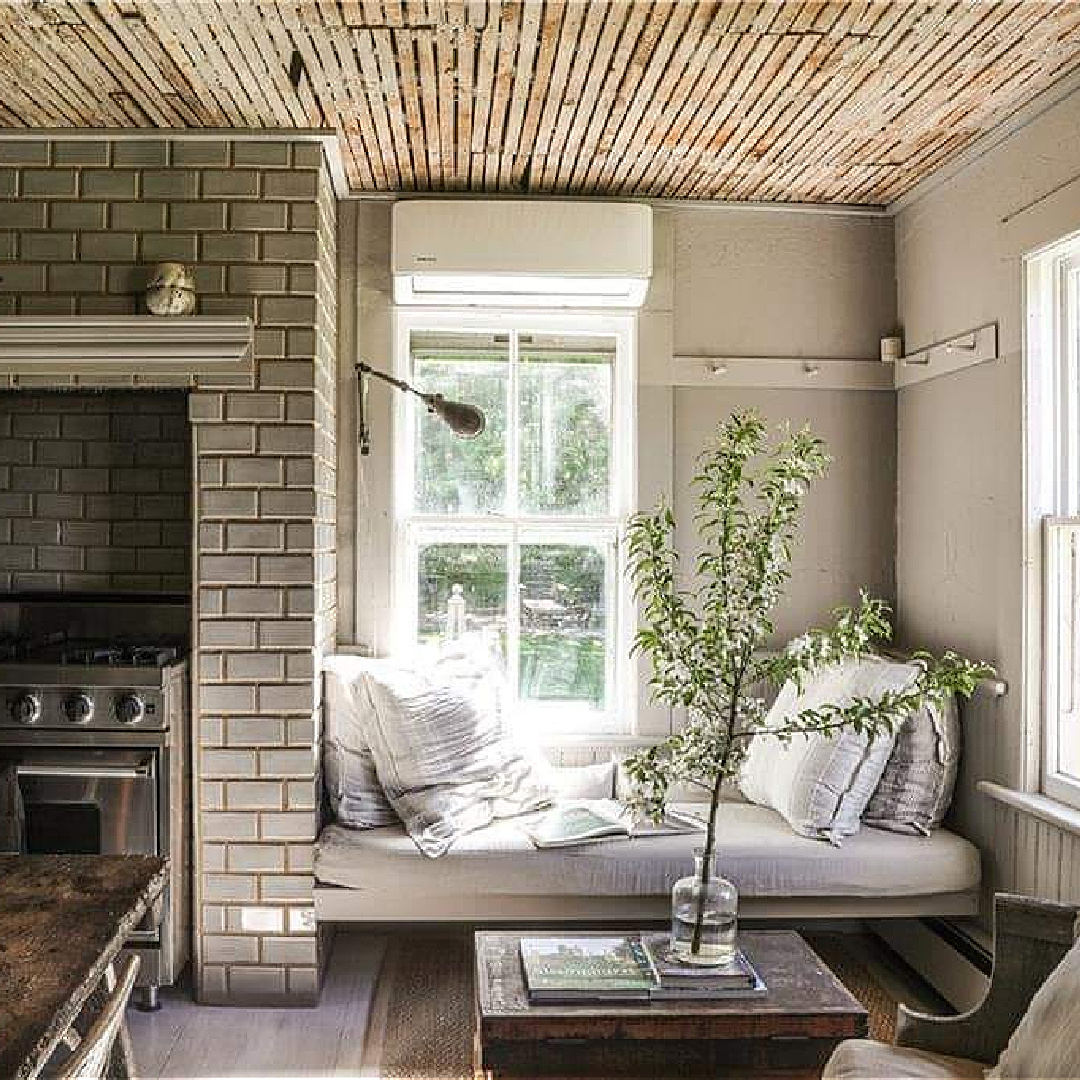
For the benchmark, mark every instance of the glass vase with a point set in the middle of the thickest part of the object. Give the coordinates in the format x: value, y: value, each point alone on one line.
x: 716, y: 901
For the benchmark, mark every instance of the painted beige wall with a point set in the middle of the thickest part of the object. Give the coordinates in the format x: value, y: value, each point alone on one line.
x: 732, y: 282
x: 960, y: 555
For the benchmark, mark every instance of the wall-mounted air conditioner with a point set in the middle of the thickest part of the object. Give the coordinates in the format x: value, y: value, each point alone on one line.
x: 511, y: 253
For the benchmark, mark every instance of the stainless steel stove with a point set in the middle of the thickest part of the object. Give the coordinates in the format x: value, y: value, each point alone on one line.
x: 94, y: 736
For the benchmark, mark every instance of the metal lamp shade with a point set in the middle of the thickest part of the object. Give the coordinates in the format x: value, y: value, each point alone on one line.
x: 465, y: 421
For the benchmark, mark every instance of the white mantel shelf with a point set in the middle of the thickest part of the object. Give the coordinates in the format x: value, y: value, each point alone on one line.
x: 129, y: 348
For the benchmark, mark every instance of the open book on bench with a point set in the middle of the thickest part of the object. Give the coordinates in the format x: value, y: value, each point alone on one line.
x: 589, y: 821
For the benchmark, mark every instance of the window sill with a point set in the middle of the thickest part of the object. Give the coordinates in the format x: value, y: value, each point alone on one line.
x: 1053, y: 812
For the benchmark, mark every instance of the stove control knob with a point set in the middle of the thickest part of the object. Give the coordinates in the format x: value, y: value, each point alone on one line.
x: 130, y: 709
x: 79, y: 709
x: 26, y: 709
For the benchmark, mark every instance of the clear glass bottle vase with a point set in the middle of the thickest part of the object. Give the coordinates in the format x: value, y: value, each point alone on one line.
x: 717, y: 902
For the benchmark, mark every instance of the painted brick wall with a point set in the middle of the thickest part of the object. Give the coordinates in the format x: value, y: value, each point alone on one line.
x: 95, y: 492
x: 81, y: 221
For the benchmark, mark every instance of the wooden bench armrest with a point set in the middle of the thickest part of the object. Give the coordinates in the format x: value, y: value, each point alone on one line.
x: 1030, y: 938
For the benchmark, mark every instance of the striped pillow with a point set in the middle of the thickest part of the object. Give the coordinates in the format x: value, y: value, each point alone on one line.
x: 444, y: 759
x: 917, y: 785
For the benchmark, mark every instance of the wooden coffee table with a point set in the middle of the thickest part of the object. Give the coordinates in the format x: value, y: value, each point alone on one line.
x: 788, y: 1033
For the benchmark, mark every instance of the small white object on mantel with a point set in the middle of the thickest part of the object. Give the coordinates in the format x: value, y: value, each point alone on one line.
x: 977, y: 346
x: 94, y: 349
x: 781, y: 373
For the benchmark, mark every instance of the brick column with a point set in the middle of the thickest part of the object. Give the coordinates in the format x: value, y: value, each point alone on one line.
x: 80, y: 222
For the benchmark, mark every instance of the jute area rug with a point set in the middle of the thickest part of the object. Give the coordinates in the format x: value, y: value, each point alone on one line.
x: 421, y: 1025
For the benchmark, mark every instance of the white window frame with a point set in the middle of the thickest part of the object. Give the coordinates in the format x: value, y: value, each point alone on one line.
x: 1052, y: 501
x: 411, y: 529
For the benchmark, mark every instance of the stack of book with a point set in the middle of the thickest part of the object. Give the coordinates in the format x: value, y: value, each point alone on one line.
x: 585, y: 968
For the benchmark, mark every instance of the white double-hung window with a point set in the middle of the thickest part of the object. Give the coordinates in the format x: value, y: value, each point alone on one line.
x: 1052, y: 423
x: 512, y: 539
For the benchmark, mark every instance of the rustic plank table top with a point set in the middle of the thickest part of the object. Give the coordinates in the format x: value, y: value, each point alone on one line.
x: 805, y: 1004
x: 63, y: 919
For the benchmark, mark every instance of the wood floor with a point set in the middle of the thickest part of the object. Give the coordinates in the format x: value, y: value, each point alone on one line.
x: 188, y: 1040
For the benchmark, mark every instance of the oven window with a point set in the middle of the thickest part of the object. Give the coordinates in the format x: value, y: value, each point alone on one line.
x: 63, y: 829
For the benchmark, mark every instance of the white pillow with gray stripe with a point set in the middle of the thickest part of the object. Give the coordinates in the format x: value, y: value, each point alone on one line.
x: 917, y: 785
x: 445, y: 761
x: 821, y: 782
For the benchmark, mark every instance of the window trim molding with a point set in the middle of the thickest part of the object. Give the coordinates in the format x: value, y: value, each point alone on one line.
x: 621, y: 717
x: 1046, y: 480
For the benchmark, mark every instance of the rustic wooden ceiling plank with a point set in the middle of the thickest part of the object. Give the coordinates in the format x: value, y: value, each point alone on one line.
x: 466, y: 61
x: 550, y: 33
x: 216, y: 105
x: 253, y: 37
x: 619, y: 26
x: 505, y: 64
x: 20, y: 64
x: 763, y: 49
x: 40, y: 58
x: 485, y: 79
x: 620, y: 85
x: 240, y: 64
x: 861, y: 139
x: 700, y: 94
x: 216, y: 69
x: 375, y: 51
x: 98, y: 18
x: 304, y: 27
x: 284, y: 44
x: 523, y: 80
x: 334, y: 47
x: 786, y: 163
x: 665, y: 32
x: 424, y: 44
x: 446, y: 61
x: 410, y: 93
x: 543, y: 144
x: 186, y: 97
x: 583, y: 58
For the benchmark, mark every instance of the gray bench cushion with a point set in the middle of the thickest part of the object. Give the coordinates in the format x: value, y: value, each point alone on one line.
x: 758, y: 851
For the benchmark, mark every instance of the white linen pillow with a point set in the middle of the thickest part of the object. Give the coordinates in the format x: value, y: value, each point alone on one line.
x: 822, y: 781
x: 917, y: 786
x: 353, y: 788
x: 1046, y: 1042
x: 445, y: 761
x: 356, y: 797
x: 596, y: 781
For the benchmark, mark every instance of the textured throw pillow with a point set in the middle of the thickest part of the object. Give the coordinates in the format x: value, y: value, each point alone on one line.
x: 352, y: 786
x: 822, y: 781
x: 917, y: 785
x: 1046, y: 1042
x: 445, y: 761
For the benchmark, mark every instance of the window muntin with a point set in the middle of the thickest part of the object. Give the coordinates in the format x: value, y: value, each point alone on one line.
x: 527, y: 518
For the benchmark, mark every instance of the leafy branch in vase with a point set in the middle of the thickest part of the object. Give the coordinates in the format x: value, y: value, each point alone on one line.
x: 705, y: 635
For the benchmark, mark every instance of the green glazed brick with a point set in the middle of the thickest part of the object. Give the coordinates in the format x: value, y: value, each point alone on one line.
x: 80, y: 152
x: 24, y: 152
x: 47, y: 304
x: 48, y: 183
x: 307, y: 154
x: 110, y: 184
x: 7, y: 245
x: 259, y: 153
x: 303, y: 215
x: 22, y: 214
x: 197, y: 215
x: 21, y: 277
x: 108, y: 246
x: 231, y: 183
x: 230, y: 247
x: 137, y: 215
x: 140, y: 153
x: 77, y: 215
x: 291, y: 185
x: 77, y: 278
x: 7, y: 183
x: 200, y: 152
x: 162, y: 247
x: 248, y: 279
x: 170, y: 184
x: 47, y: 246
x: 290, y: 247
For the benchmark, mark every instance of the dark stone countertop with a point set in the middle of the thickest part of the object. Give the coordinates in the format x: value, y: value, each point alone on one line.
x: 63, y: 918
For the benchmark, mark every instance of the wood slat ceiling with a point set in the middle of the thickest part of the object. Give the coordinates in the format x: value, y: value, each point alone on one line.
x: 850, y: 102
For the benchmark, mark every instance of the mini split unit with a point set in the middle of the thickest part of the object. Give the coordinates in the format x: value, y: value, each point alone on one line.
x: 514, y: 253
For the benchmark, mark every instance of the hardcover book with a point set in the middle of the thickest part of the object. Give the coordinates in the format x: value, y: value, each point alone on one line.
x: 587, y: 968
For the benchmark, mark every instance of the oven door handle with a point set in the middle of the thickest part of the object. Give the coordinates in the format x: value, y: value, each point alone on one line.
x: 89, y: 772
